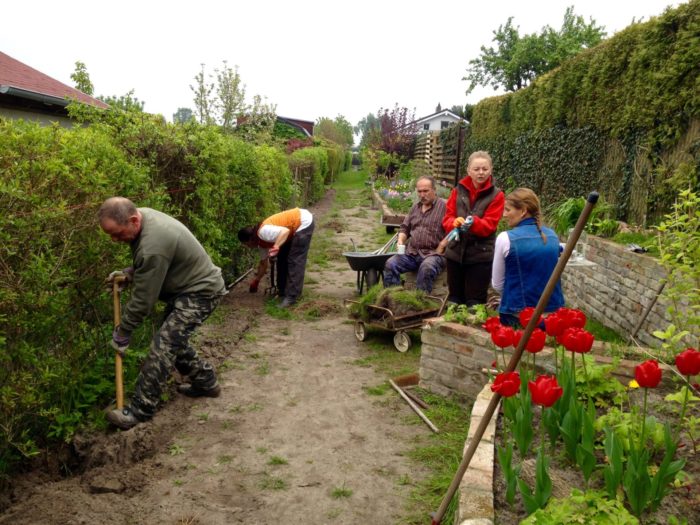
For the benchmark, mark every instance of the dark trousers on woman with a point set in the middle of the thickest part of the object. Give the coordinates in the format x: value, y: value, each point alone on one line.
x: 468, y: 283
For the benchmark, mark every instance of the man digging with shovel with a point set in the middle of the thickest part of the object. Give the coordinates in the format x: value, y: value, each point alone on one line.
x: 171, y: 265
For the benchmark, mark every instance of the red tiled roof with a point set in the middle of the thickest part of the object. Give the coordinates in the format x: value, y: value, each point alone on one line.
x: 15, y: 74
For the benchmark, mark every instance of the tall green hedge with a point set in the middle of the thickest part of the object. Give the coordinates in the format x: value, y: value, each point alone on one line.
x: 622, y: 117
x: 55, y: 318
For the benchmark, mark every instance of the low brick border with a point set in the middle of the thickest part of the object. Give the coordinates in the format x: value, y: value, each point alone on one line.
x: 476, y: 487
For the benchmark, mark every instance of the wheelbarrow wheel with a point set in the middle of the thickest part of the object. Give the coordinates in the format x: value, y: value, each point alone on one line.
x: 402, y: 341
x: 360, y: 331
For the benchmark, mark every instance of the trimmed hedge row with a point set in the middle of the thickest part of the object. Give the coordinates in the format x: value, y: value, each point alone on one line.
x: 55, y: 318
x: 622, y: 117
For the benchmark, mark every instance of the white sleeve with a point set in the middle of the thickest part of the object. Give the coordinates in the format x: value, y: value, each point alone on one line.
x: 500, y: 252
x: 269, y: 232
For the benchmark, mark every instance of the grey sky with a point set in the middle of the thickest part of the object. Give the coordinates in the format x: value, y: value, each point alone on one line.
x: 311, y: 58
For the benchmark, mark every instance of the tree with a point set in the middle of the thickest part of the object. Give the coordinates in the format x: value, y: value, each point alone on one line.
x: 183, y: 115
x: 518, y: 60
x: 394, y: 135
x: 365, y: 128
x: 230, y: 102
x: 339, y: 130
x: 82, y: 79
x: 438, y: 108
x: 126, y: 102
x: 258, y: 121
x: 202, y: 98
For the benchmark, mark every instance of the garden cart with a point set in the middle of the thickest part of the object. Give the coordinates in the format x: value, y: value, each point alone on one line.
x: 384, y: 318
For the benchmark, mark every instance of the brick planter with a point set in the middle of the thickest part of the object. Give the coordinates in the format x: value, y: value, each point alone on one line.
x: 454, y: 357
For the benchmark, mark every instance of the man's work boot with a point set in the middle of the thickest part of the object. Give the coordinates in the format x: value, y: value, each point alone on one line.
x: 191, y: 391
x: 124, y: 418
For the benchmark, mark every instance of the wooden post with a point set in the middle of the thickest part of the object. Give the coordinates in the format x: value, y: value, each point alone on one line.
x: 460, y: 137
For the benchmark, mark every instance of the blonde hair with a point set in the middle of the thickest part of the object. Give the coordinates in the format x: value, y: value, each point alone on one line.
x: 480, y: 155
x: 526, y: 199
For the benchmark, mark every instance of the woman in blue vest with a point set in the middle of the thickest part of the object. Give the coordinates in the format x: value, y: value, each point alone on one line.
x: 469, y: 258
x: 524, y: 258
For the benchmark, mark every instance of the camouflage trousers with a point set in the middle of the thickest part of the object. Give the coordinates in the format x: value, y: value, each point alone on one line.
x: 170, y: 348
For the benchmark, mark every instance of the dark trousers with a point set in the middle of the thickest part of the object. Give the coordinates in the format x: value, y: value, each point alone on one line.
x: 291, y: 264
x: 468, y: 283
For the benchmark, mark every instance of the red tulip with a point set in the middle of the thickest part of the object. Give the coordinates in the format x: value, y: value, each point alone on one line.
x: 545, y: 390
x: 577, y: 340
x: 576, y: 318
x: 536, y: 341
x: 648, y: 374
x: 502, y: 337
x: 506, y: 383
x: 526, y: 315
x: 491, y: 324
x: 517, y: 336
x: 688, y: 362
x: 554, y: 324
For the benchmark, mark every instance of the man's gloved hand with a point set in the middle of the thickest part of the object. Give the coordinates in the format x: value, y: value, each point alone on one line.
x: 273, y: 251
x: 458, y: 222
x: 126, y: 273
x: 254, y: 285
x: 120, y: 341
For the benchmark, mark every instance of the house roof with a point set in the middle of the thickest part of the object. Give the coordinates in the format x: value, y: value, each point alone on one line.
x: 444, y: 112
x: 20, y: 80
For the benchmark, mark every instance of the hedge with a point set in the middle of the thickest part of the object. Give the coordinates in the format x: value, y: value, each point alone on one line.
x: 622, y: 117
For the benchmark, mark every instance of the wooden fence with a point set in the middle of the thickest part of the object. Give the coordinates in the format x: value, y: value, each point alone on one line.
x: 442, y: 155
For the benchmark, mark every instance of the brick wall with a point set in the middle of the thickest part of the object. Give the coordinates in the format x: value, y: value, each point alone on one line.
x: 454, y: 358
x: 615, y: 286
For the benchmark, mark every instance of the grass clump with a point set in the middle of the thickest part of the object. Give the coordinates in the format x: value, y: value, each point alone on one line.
x: 394, y: 298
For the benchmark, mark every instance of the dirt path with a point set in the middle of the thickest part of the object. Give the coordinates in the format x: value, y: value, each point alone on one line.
x: 294, y: 437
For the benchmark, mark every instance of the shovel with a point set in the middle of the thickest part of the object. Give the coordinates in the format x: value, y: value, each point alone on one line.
x: 118, y: 374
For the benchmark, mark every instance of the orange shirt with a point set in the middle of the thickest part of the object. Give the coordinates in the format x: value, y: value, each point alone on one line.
x: 289, y: 219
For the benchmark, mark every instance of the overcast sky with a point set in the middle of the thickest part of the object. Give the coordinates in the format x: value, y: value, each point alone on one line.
x: 312, y: 58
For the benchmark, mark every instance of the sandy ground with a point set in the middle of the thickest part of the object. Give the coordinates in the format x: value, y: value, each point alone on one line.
x: 292, y: 431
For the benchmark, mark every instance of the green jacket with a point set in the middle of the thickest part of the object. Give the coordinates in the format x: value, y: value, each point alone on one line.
x: 168, y: 262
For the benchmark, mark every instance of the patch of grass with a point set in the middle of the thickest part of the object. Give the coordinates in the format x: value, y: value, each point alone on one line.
x: 378, y: 390
x: 277, y: 460
x: 385, y: 359
x: 603, y: 333
x: 645, y: 240
x: 440, y: 454
x: 176, y: 450
x: 341, y: 492
x: 404, y: 479
x: 272, y: 483
x: 261, y: 450
x: 229, y: 364
x: 178, y: 483
x: 204, y: 416
x: 224, y: 459
x: 255, y: 407
x: 263, y: 368
x: 333, y: 513
x: 351, y: 180
x: 251, y: 338
x: 273, y: 310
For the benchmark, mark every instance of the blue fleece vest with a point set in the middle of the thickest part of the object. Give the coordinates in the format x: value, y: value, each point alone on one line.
x: 529, y: 266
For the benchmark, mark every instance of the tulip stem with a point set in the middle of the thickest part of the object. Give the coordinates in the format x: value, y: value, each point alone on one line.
x: 644, y: 419
x: 585, y: 370
x: 684, y: 406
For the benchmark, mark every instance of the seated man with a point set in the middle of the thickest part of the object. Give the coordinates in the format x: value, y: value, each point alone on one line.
x: 423, y: 226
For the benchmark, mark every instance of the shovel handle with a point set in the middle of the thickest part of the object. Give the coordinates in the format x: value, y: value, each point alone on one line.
x: 118, y: 373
